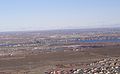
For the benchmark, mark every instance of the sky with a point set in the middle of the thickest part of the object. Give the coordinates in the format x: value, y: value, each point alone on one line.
x: 25, y: 15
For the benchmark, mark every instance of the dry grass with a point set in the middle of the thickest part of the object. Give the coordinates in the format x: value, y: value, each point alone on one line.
x: 37, y: 64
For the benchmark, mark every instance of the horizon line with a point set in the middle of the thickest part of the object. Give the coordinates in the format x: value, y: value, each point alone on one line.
x: 61, y: 29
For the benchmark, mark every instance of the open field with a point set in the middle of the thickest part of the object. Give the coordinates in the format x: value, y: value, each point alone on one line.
x: 38, y: 64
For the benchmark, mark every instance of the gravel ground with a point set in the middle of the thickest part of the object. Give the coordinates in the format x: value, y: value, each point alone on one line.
x: 103, y: 66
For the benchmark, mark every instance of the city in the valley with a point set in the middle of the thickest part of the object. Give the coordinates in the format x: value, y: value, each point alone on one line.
x: 69, y: 51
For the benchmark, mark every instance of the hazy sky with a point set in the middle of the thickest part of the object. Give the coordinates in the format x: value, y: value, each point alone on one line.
x: 16, y: 15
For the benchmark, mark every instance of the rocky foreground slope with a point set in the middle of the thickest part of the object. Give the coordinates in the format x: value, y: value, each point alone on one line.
x: 103, y: 66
